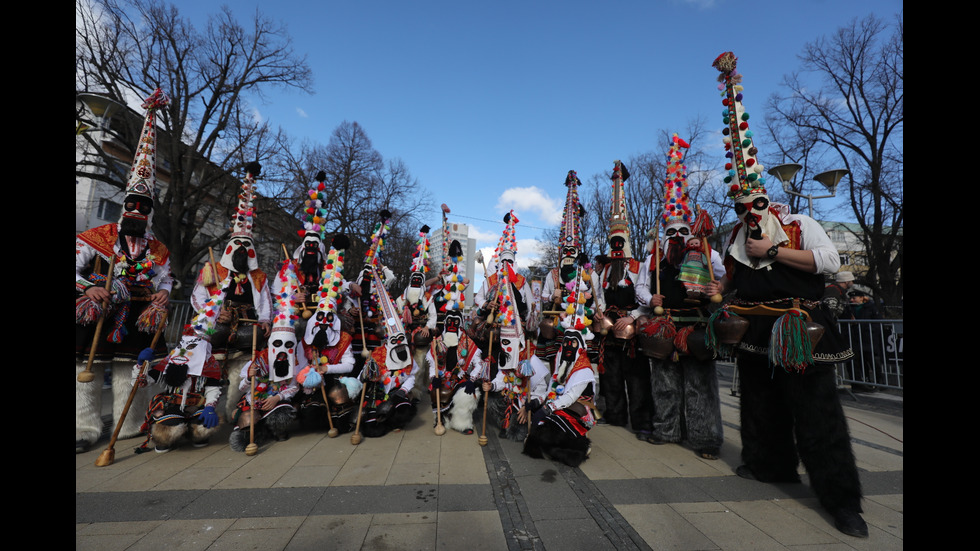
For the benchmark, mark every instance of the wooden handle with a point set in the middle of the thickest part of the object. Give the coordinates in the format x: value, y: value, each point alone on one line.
x: 108, y: 455
x: 659, y: 310
x: 439, y: 429
x: 87, y: 376
x: 356, y: 437
x: 486, y: 396
x: 332, y: 433
x: 252, y: 448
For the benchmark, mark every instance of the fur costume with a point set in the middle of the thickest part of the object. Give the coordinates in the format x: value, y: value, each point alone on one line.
x: 458, y: 390
x: 187, y: 397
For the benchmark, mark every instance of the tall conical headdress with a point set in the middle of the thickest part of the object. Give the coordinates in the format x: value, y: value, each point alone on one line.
x: 396, y: 342
x: 142, y: 176
x: 570, y: 234
x: 314, y: 213
x: 508, y: 240
x: 314, y: 216
x: 244, y: 217
x: 510, y: 326
x: 282, y: 338
x: 371, y: 257
x: 677, y: 206
x: 420, y: 258
x: 745, y: 173
x: 143, y: 173
x: 619, y: 225
x: 331, y: 284
x: 332, y: 279
x: 452, y: 282
x: 194, y: 347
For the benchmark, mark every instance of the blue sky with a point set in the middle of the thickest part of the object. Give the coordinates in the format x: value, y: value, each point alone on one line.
x: 489, y: 104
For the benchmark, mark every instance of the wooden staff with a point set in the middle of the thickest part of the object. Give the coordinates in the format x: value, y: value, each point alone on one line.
x: 252, y: 448
x: 486, y: 395
x: 658, y: 310
x: 214, y: 266
x: 108, y: 456
x: 333, y: 432
x: 87, y: 376
x: 355, y: 438
x: 439, y: 430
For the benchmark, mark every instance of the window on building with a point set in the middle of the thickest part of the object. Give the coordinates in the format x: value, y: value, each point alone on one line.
x: 845, y: 259
x: 109, y: 211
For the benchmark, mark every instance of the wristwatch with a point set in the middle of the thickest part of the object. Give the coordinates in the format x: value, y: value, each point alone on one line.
x: 772, y: 252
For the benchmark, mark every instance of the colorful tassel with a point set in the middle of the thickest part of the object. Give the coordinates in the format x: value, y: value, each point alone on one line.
x: 312, y: 379
x: 789, y: 344
x: 150, y: 318
x: 525, y: 368
x: 86, y: 310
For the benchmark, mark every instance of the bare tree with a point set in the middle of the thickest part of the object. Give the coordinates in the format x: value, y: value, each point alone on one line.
x: 644, y: 189
x: 360, y: 184
x: 849, y: 96
x: 125, y: 50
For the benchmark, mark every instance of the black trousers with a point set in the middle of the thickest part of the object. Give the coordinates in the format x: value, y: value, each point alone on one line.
x: 625, y: 386
x: 788, y: 417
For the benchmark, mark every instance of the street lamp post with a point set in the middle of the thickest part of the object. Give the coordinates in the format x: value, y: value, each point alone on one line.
x: 786, y: 173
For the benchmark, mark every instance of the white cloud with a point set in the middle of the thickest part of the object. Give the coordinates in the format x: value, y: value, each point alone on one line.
x: 531, y: 199
x: 484, y: 236
x: 528, y: 252
x: 302, y: 113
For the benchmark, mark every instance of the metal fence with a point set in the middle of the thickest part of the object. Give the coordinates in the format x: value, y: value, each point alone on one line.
x: 879, y: 358
x: 180, y: 315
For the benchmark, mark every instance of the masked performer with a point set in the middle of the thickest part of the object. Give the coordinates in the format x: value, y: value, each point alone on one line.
x: 520, y: 374
x: 135, y: 306
x: 454, y: 375
x: 562, y: 420
x: 624, y: 375
x: 418, y: 310
x: 573, y: 269
x: 191, y: 386
x: 686, y: 403
x: 789, y: 404
x: 248, y: 301
x: 274, y: 380
x: 390, y: 372
x: 327, y: 353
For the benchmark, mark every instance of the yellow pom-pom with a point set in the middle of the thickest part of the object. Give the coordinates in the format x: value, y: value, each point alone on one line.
x: 570, y: 310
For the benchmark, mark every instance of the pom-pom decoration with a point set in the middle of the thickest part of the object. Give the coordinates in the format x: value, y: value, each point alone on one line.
x: 735, y: 119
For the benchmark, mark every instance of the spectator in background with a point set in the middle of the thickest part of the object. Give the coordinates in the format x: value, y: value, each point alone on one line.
x: 862, y: 307
x: 835, y: 296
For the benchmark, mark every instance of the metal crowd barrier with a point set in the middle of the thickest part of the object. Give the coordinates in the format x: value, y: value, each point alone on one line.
x: 879, y: 358
x: 180, y: 315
